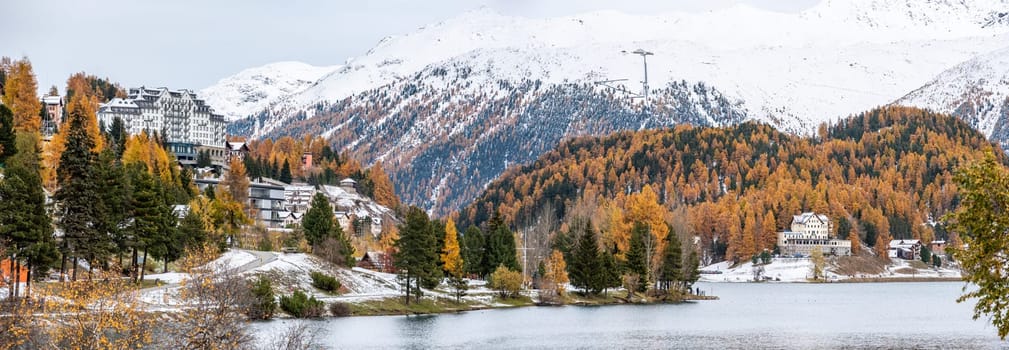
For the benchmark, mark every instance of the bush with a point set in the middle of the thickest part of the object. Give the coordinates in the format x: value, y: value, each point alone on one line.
x: 301, y: 306
x: 339, y: 309
x: 506, y: 282
x: 324, y: 282
x: 264, y: 302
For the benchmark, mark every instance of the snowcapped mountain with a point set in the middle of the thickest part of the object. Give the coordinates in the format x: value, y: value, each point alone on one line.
x: 253, y: 89
x: 449, y: 106
x: 976, y: 91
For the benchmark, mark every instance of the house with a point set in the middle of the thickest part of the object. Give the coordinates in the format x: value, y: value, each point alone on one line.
x: 811, y: 231
x: 54, y: 114
x: 290, y: 218
x: 7, y: 275
x: 376, y: 261
x: 298, y: 197
x: 907, y: 249
x: 938, y: 247
x: 349, y: 185
x: 236, y: 150
x: 344, y: 219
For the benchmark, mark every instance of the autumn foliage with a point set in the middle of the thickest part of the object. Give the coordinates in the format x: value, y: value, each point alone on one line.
x: 889, y: 170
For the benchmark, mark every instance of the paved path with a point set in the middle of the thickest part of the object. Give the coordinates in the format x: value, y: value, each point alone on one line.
x: 262, y: 258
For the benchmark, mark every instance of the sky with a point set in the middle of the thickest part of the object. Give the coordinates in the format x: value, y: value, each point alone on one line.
x: 191, y: 44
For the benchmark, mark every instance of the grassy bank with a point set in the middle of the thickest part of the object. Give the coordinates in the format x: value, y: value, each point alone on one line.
x: 397, y: 306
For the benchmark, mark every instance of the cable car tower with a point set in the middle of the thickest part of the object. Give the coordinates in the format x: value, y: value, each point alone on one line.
x: 644, y: 83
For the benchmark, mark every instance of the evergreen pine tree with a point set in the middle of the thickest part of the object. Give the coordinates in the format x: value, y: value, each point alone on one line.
x: 691, y: 269
x: 285, y: 173
x: 117, y: 137
x: 416, y: 256
x: 609, y: 271
x: 499, y: 248
x: 192, y: 230
x: 584, y: 269
x: 168, y: 243
x: 472, y: 250
x: 78, y: 192
x: 148, y: 223
x: 114, y: 189
x: 24, y: 223
x: 344, y: 247
x: 7, y: 138
x: 636, y: 255
x: 671, y: 271
x: 318, y: 221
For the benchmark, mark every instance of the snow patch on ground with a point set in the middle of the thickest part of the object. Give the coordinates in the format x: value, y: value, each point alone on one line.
x: 800, y: 270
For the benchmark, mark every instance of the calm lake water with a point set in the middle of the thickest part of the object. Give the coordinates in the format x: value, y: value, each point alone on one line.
x: 751, y: 316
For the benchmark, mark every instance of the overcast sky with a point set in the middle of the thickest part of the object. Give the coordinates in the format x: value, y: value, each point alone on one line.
x: 192, y: 43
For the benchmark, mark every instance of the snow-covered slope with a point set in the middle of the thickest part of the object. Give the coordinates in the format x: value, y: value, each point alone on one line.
x: 253, y: 89
x: 449, y: 106
x: 976, y: 90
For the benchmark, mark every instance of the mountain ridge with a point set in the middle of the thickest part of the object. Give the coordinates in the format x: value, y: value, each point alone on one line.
x: 446, y: 87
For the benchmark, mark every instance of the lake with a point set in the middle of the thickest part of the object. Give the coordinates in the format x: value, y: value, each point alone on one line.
x: 748, y: 315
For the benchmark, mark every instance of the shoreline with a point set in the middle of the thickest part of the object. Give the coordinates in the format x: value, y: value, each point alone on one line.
x: 435, y: 306
x: 854, y: 280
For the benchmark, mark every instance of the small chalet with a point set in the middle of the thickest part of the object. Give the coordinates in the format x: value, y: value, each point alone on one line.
x: 376, y: 261
x: 237, y: 150
x: 907, y: 249
x: 290, y: 218
x: 938, y: 247
x: 349, y: 185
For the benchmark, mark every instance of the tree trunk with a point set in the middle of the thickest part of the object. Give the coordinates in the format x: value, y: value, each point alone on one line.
x: 143, y: 264
x: 16, y: 272
x: 74, y: 276
x: 63, y: 266
x: 165, y: 269
x: 133, y: 267
x: 10, y: 289
x: 28, y: 280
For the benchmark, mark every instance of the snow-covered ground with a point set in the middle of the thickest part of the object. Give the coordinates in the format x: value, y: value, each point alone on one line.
x: 800, y: 270
x: 290, y: 272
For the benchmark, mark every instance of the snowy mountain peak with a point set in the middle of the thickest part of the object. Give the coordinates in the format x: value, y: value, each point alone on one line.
x: 976, y: 90
x: 253, y: 89
x: 951, y: 16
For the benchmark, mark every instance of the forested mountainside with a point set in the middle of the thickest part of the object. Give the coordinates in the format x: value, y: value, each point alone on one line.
x: 442, y: 141
x: 883, y: 173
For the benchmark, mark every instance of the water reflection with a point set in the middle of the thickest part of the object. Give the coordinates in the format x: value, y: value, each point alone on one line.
x: 752, y: 316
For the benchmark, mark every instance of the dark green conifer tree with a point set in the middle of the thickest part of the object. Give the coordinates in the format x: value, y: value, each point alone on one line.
x: 499, y: 247
x: 24, y: 222
x: 8, y: 144
x: 285, y: 173
x: 472, y: 245
x: 318, y: 221
x: 636, y: 255
x: 78, y: 194
x: 671, y: 271
x: 416, y: 256
x: 584, y: 269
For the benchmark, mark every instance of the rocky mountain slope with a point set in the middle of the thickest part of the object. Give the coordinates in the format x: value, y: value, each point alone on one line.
x: 977, y: 91
x: 449, y: 106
